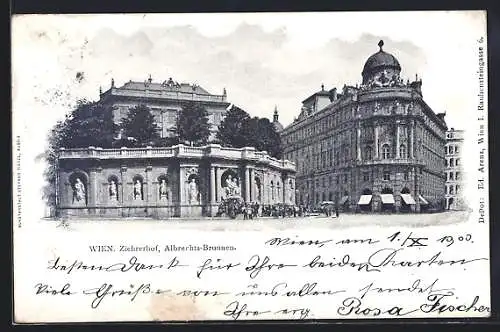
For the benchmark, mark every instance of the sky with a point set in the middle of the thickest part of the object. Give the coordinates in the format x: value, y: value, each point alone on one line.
x: 262, y: 59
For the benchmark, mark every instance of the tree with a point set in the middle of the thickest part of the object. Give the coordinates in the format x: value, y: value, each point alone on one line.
x: 231, y: 130
x: 139, y: 127
x: 192, y: 124
x: 88, y: 124
x: 263, y: 136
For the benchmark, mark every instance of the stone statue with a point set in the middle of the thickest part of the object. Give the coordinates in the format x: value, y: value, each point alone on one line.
x: 236, y: 187
x: 228, y: 186
x: 112, y: 190
x: 137, y: 190
x: 193, y: 191
x: 258, y: 190
x: 79, y: 191
x: 163, y: 189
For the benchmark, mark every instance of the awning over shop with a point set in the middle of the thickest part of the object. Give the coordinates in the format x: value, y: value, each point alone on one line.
x: 365, y: 199
x: 422, y: 200
x: 387, y: 198
x: 344, y: 199
x: 408, y: 199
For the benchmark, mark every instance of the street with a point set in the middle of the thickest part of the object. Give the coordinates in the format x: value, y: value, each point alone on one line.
x: 264, y: 223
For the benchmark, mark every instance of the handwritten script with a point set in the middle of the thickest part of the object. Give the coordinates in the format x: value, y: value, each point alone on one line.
x: 400, y: 274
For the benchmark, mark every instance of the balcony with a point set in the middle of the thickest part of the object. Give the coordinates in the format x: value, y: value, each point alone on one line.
x: 214, y: 151
x: 402, y: 162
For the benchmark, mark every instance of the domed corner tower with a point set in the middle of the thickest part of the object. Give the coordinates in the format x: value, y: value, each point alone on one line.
x: 380, y: 66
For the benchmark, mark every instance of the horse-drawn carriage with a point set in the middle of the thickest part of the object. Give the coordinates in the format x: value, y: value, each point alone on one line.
x: 231, y: 206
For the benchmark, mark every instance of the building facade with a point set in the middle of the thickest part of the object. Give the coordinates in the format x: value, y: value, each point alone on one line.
x: 165, y: 101
x: 373, y: 147
x: 453, y: 170
x: 178, y: 181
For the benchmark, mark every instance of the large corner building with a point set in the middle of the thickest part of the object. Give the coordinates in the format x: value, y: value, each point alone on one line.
x: 373, y: 147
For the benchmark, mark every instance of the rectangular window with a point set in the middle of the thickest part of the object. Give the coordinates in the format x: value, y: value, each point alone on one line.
x: 345, y: 178
x: 366, y: 176
x: 387, y: 175
x: 406, y: 176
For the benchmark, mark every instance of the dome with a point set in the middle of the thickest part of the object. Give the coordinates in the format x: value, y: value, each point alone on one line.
x: 380, y: 60
x: 278, y: 126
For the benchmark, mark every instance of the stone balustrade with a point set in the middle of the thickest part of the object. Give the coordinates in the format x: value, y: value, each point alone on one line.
x: 177, y: 151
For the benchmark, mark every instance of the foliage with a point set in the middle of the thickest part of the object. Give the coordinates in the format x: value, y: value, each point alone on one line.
x: 139, y: 127
x: 231, y: 131
x: 88, y: 124
x: 263, y: 136
x: 238, y: 129
x: 192, y: 124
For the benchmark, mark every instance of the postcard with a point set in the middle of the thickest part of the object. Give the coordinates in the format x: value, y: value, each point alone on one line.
x: 250, y: 166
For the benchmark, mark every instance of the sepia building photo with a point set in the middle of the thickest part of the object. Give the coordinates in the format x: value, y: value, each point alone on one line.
x: 168, y: 181
x: 376, y: 146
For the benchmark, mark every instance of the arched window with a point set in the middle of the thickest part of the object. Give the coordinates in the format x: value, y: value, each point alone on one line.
x: 387, y: 191
x: 272, y: 190
x: 368, y: 153
x: 366, y: 192
x: 402, y: 151
x: 405, y: 190
x: 386, y: 151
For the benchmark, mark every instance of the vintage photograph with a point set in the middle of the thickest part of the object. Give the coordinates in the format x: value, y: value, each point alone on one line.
x: 231, y: 127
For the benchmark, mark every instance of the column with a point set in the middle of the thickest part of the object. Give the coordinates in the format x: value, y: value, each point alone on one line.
x: 252, y: 185
x: 213, y: 198
x: 285, y: 189
x: 148, y: 189
x: 412, y: 138
x: 397, y: 140
x: 247, y: 184
x: 217, y: 184
x: 182, y: 199
x: 92, y: 188
x: 359, y: 141
x: 263, y: 189
x: 123, y: 180
x: 376, y: 140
